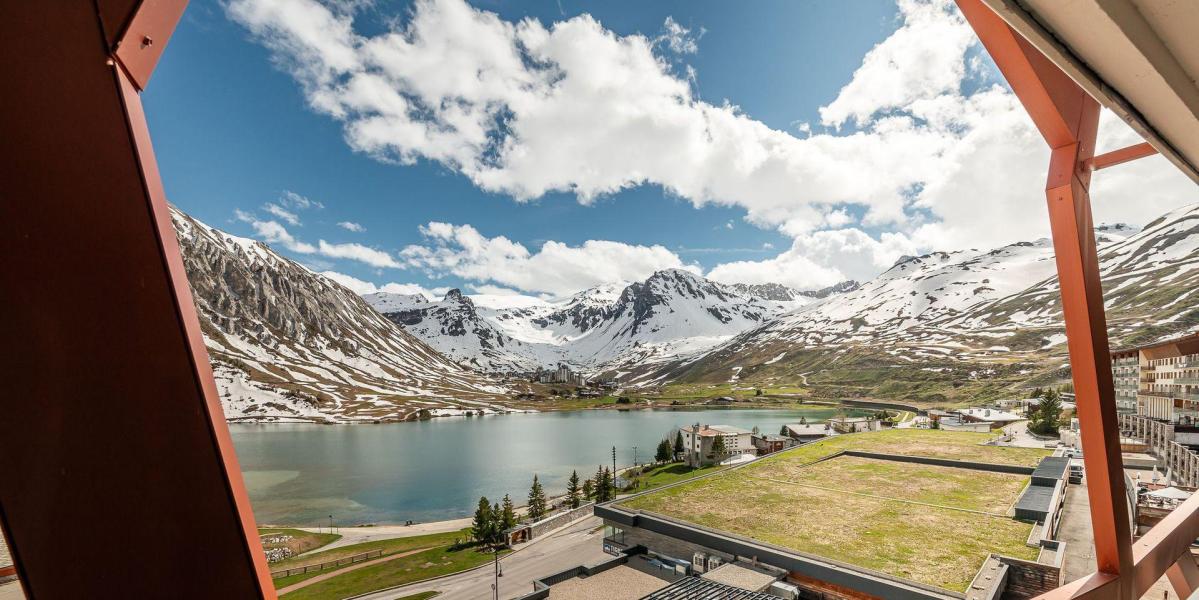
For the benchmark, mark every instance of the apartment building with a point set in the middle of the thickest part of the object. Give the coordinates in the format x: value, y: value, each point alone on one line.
x: 699, y: 441
x: 1159, y: 381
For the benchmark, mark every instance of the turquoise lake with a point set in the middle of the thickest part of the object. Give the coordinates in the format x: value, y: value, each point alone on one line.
x: 299, y: 474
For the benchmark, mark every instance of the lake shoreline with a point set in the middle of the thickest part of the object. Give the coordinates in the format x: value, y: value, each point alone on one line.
x: 435, y: 470
x: 494, y: 412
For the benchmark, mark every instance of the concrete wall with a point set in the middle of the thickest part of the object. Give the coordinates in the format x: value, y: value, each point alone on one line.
x: 549, y: 524
x: 1026, y: 579
x: 943, y: 462
x: 881, y: 405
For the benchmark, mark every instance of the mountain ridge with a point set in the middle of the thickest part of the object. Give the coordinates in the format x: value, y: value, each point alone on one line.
x: 289, y: 344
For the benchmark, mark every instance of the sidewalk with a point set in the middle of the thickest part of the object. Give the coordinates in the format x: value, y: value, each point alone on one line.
x: 358, y: 535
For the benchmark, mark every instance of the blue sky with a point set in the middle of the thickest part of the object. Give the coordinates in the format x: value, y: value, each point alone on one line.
x: 245, y: 143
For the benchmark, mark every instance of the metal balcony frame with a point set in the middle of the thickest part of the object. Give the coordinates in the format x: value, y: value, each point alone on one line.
x: 1067, y: 118
x: 155, y: 468
x: 119, y: 474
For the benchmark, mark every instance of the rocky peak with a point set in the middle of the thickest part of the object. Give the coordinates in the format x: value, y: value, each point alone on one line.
x: 846, y: 286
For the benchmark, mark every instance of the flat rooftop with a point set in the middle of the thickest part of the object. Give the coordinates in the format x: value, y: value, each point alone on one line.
x: 1052, y: 468
x: 930, y: 524
x: 740, y: 576
x: 617, y: 583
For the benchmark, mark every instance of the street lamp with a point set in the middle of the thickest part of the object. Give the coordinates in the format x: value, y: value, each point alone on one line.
x: 495, y: 549
x: 330, y: 523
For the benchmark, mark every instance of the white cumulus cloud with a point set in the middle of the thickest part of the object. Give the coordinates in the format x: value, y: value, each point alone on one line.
x: 920, y: 152
x: 361, y: 287
x: 555, y: 268
x: 273, y: 232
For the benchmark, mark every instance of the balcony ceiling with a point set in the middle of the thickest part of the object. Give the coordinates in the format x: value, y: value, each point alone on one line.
x: 1139, y: 58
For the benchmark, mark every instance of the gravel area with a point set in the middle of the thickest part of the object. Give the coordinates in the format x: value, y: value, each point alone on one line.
x: 740, y: 577
x: 618, y: 583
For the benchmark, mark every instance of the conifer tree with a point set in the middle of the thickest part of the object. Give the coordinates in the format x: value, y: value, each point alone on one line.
x: 718, y: 447
x: 536, y: 501
x: 572, y: 490
x: 507, y: 514
x: 604, y: 489
x: 483, y: 526
x: 664, y: 451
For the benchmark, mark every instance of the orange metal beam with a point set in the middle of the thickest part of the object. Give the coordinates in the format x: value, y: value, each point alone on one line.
x: 1159, y: 549
x: 145, y: 37
x: 1068, y: 119
x: 1051, y: 98
x: 112, y: 426
x: 1184, y: 575
x: 1096, y: 586
x: 1090, y: 363
x: 1121, y: 156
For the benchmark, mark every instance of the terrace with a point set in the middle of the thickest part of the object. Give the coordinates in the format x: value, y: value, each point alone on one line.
x: 932, y: 524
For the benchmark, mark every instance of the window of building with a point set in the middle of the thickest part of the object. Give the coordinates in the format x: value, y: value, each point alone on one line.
x: 613, y: 534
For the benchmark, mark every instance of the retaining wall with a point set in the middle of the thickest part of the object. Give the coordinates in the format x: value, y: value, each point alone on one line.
x: 549, y: 524
x: 1027, y: 579
x: 943, y: 462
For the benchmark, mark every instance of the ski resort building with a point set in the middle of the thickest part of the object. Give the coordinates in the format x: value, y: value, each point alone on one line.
x: 1159, y: 381
x: 563, y: 374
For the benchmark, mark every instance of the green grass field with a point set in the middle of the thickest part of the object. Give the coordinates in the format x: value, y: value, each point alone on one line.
x: 911, y: 521
x: 670, y: 473
x: 917, y: 442
x: 391, y: 546
x: 431, y: 563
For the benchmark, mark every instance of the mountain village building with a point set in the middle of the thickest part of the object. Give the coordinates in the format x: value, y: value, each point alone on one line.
x: 563, y: 374
x: 996, y: 419
x: 855, y: 424
x: 1159, y: 381
x: 807, y: 432
x: 698, y: 442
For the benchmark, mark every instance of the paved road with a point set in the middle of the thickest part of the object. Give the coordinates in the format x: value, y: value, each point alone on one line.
x: 568, y: 547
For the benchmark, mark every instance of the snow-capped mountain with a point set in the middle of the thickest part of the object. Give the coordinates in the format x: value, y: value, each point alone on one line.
x: 997, y: 311
x: 782, y: 293
x: 672, y: 312
x: 287, y: 343
x: 454, y: 327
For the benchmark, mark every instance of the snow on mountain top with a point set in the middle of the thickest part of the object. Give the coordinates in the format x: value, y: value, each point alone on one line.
x: 386, y: 302
x: 186, y: 227
x: 506, y: 301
